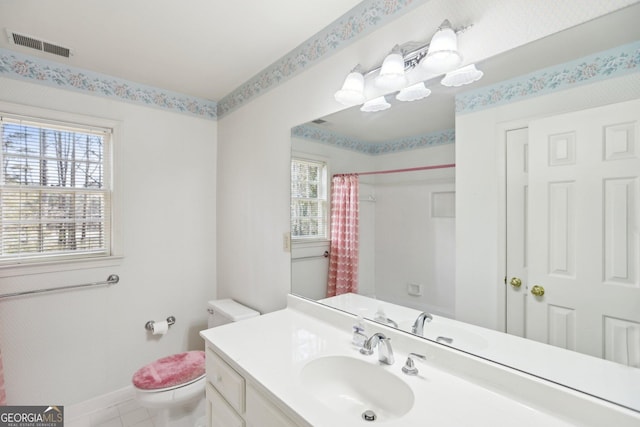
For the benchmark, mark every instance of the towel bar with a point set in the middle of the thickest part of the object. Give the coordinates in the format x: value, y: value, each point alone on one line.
x: 111, y: 280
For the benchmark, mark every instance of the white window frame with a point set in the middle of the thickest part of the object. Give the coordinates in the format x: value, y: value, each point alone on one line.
x: 111, y: 163
x: 297, y: 240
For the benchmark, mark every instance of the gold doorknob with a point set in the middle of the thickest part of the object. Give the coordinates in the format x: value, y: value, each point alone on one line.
x: 537, y: 290
x: 516, y: 282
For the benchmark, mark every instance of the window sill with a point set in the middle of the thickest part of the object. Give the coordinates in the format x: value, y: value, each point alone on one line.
x: 12, y: 270
x: 309, y: 243
x: 310, y: 249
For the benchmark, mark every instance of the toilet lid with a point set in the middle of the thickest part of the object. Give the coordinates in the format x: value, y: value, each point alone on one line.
x: 170, y: 371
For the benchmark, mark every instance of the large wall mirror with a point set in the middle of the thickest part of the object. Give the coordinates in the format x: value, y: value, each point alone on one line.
x: 404, y: 158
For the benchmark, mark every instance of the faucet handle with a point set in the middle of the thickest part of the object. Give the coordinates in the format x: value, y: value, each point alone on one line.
x: 409, y: 367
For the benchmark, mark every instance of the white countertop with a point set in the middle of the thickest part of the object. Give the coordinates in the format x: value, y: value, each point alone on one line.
x: 611, y: 381
x: 273, y: 349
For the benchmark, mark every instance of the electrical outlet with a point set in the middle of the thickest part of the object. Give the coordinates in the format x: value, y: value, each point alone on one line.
x: 414, y: 289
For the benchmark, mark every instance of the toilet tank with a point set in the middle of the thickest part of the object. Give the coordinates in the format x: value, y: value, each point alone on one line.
x: 222, y: 311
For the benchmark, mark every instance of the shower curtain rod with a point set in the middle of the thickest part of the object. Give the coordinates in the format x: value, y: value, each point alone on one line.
x: 420, y: 168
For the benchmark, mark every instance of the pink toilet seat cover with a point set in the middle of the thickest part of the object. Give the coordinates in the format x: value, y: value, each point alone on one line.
x: 170, y: 371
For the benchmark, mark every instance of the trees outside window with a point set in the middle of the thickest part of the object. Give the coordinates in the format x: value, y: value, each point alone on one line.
x: 55, y: 192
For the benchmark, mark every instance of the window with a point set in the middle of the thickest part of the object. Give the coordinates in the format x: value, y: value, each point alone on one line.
x: 308, y: 199
x: 55, y: 191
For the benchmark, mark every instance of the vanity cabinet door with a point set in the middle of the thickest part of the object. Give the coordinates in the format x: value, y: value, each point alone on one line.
x: 219, y: 413
x: 226, y: 380
x: 262, y: 413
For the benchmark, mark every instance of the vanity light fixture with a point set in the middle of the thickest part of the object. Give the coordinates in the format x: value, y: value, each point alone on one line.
x: 391, y: 75
x: 352, y: 92
x: 413, y: 92
x: 376, y: 104
x: 443, y: 55
x: 438, y: 56
x: 462, y: 76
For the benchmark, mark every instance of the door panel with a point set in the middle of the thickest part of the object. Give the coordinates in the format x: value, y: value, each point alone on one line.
x: 583, y: 188
x: 516, y: 254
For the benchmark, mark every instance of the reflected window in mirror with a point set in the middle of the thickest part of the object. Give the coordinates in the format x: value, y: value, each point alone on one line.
x: 309, y: 199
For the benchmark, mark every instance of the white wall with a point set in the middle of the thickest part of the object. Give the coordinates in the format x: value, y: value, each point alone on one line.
x: 67, y: 347
x: 480, y: 199
x: 413, y: 247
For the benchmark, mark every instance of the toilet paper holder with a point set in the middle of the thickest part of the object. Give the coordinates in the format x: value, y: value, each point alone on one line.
x: 149, y: 325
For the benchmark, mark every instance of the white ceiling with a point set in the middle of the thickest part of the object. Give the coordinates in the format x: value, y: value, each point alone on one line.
x: 202, y: 48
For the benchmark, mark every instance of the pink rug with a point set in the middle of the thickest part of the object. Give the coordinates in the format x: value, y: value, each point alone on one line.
x: 170, y: 371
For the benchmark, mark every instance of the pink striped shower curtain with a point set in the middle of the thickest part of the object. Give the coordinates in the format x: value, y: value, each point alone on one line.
x: 3, y: 394
x: 343, y: 261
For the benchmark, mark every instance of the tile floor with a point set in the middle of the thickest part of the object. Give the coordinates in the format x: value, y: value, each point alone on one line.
x: 126, y: 414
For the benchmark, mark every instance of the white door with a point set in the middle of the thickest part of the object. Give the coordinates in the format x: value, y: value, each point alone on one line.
x: 517, y: 237
x: 582, y: 219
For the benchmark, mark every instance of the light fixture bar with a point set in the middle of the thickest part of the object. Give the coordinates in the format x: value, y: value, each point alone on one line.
x: 414, y: 55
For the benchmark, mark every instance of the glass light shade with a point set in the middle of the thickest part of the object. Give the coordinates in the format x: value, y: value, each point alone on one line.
x: 375, y: 104
x: 352, y: 91
x: 413, y: 92
x: 391, y: 74
x: 443, y: 55
x: 462, y: 76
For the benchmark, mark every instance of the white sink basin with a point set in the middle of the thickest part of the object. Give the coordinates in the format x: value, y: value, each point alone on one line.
x: 352, y: 386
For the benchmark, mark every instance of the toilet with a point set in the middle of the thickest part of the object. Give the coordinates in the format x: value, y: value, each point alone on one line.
x: 174, y: 385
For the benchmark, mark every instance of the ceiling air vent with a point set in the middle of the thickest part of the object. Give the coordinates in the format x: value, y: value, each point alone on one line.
x: 38, y: 44
x: 56, y: 50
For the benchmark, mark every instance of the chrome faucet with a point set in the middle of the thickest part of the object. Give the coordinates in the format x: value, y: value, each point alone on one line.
x: 418, y: 325
x: 385, y: 352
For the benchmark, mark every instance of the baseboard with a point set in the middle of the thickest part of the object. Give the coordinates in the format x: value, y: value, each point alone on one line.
x: 82, y: 409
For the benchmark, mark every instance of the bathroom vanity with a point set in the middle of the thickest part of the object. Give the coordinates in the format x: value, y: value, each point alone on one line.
x: 298, y: 367
x: 234, y: 399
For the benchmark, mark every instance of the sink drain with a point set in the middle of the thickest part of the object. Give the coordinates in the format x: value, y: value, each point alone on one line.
x: 369, y: 415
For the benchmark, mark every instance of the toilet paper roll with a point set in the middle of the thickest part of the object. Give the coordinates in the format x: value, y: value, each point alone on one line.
x: 160, y: 328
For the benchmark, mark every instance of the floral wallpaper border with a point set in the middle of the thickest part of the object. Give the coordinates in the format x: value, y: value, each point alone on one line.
x: 616, y: 62
x: 611, y: 63
x: 362, y: 19
x: 354, y: 144
x: 25, y: 67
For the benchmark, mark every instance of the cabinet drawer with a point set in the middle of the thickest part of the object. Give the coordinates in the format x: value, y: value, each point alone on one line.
x: 226, y: 380
x: 220, y: 413
x: 263, y: 413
